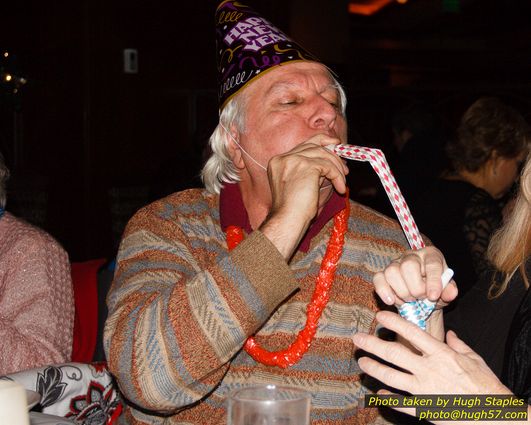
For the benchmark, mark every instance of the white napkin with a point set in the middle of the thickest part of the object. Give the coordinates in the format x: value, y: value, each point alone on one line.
x: 13, y: 404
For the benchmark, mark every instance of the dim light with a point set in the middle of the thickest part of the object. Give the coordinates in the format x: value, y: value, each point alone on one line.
x: 367, y: 7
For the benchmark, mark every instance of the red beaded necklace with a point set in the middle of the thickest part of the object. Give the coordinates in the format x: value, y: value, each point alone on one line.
x: 320, y: 296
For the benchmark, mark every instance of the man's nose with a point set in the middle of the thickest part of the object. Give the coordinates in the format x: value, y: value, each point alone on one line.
x: 323, y: 114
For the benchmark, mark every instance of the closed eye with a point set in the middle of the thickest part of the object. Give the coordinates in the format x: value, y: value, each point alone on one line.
x: 288, y: 102
x: 334, y: 102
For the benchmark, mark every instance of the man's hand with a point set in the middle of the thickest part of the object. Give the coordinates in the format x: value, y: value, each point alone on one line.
x: 415, y: 275
x: 295, y: 179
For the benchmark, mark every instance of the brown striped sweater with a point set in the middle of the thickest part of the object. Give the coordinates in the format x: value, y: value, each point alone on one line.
x: 182, y: 306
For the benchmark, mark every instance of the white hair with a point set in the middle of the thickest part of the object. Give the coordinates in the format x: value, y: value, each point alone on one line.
x: 4, y: 175
x: 219, y: 168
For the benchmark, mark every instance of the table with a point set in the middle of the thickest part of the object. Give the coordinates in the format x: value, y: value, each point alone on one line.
x: 37, y: 418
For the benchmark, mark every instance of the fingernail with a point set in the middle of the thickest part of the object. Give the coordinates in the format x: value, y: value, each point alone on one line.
x: 432, y: 295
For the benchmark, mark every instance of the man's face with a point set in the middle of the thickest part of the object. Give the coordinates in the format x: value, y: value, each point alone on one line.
x: 287, y: 106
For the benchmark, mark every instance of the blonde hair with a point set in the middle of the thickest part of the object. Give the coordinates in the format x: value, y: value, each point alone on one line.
x: 511, y: 244
x: 219, y: 168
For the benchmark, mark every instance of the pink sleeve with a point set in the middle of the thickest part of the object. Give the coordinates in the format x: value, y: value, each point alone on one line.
x: 36, y: 305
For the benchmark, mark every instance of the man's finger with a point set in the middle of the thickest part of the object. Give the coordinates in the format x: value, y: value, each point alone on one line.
x: 394, y: 278
x: 450, y: 292
x: 382, y: 288
x: 332, y: 173
x: 311, y: 149
x: 411, y: 268
x: 433, y: 269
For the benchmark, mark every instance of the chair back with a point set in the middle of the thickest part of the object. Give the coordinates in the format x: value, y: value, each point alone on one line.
x: 85, y: 281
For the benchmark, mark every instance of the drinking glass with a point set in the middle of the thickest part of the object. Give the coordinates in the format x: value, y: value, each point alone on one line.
x: 269, y: 405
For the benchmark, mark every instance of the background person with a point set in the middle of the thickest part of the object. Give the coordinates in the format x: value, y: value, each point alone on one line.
x: 460, y: 212
x: 36, y: 295
x: 492, y: 317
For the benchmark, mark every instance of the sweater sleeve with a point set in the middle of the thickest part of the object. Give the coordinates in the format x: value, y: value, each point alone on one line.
x: 176, y: 318
x: 37, y: 305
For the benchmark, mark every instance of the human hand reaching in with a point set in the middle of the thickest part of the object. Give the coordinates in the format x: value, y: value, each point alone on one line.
x: 437, y: 368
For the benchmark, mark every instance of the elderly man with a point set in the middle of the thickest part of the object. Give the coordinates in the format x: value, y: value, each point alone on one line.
x: 265, y: 275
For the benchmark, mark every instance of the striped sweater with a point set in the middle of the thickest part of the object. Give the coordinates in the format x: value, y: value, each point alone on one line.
x: 182, y: 306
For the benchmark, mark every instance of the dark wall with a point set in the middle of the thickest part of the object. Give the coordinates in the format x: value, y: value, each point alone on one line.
x: 90, y: 136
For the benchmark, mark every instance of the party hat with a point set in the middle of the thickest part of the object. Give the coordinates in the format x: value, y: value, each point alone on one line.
x: 247, y: 46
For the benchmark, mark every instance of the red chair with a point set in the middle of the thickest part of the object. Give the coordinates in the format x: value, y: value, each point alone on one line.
x: 85, y: 281
x: 87, y: 330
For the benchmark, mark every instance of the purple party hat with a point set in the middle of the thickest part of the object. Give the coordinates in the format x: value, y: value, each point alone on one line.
x: 247, y: 46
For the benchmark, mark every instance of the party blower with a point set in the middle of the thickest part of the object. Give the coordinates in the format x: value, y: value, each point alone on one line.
x: 415, y: 311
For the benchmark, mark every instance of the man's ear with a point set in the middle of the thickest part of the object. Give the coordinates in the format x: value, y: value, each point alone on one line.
x: 235, y: 152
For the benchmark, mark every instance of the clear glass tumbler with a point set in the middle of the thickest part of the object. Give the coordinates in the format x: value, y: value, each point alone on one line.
x: 269, y: 405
